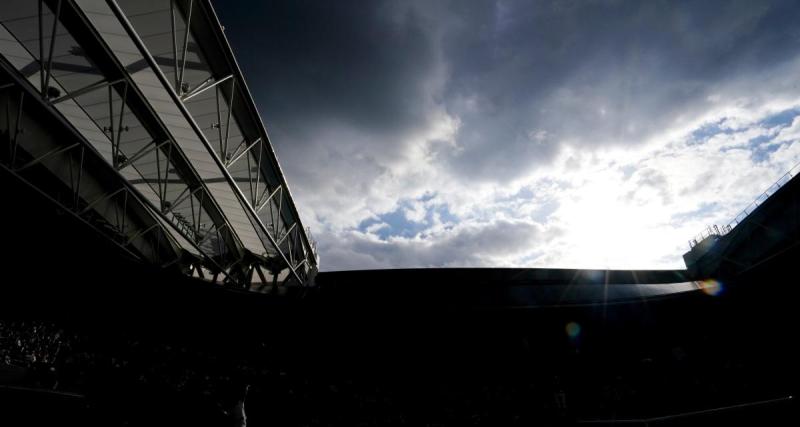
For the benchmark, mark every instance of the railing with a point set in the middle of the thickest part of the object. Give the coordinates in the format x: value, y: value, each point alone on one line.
x: 715, y: 230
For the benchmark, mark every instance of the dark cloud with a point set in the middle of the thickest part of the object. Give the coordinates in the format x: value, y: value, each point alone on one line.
x: 314, y: 63
x: 593, y: 72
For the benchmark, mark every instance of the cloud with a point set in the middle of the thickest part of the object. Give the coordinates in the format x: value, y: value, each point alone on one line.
x: 585, y: 134
x: 602, y: 73
x: 491, y: 244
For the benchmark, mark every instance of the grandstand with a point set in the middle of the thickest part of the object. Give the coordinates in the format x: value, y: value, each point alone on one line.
x: 155, y: 267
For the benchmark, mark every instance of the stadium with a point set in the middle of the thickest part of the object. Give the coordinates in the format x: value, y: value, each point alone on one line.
x: 157, y: 271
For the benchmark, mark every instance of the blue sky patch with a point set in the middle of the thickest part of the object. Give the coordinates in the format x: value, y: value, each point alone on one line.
x: 782, y: 119
x: 760, y: 152
x: 703, y: 133
x: 397, y: 225
x: 760, y: 146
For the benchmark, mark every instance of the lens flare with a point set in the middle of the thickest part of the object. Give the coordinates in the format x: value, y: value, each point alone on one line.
x: 711, y: 287
x: 573, y: 329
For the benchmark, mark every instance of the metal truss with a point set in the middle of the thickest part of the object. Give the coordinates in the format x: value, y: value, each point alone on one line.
x: 107, y: 211
x: 69, y: 177
x: 287, y: 235
x: 155, y: 175
x: 289, y: 257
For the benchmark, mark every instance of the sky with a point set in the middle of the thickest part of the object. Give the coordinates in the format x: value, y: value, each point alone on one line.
x: 573, y: 134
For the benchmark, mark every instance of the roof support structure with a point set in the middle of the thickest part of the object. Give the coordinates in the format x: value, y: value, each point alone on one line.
x: 246, y: 205
x: 106, y: 215
x: 203, y: 185
x: 109, y: 212
x: 228, y: 62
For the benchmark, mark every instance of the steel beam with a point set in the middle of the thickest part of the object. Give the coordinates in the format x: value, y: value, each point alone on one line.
x: 126, y: 24
x: 202, y: 87
x: 233, y: 66
x: 23, y: 83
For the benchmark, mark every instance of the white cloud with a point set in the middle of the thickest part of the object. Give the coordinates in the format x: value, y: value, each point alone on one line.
x: 602, y: 208
x: 490, y: 244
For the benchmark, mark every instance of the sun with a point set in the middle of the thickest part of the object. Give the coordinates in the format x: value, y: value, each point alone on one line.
x: 607, y: 224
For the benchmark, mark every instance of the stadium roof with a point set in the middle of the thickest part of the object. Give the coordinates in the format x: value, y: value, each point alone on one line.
x: 154, y: 89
